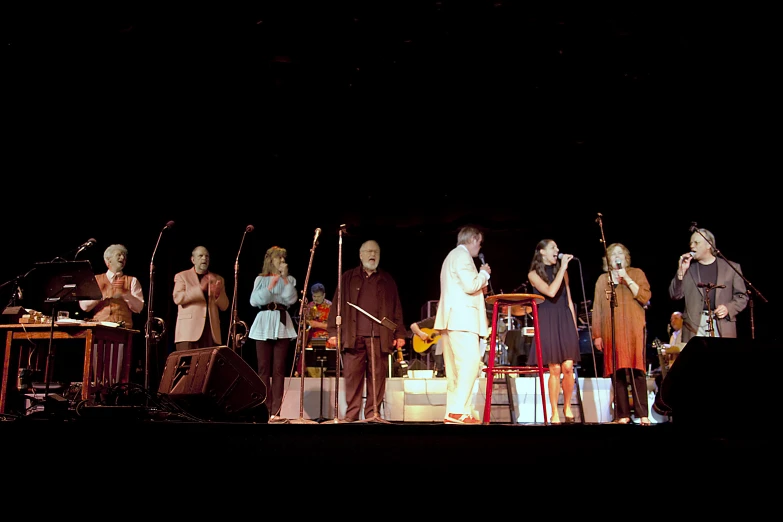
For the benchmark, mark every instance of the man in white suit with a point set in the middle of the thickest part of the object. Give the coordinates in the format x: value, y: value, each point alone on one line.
x: 199, y: 294
x: 462, y: 320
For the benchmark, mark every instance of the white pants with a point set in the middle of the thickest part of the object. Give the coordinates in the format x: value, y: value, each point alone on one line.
x: 462, y: 362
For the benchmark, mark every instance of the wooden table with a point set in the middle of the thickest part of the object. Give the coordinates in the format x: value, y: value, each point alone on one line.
x: 107, y: 353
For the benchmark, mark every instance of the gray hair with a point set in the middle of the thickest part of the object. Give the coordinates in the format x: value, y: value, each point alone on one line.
x: 467, y: 233
x: 111, y: 249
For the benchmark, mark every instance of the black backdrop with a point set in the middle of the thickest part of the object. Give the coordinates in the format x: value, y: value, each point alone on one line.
x: 402, y: 121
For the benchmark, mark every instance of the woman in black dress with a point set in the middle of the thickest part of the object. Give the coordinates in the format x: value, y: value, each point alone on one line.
x: 556, y: 323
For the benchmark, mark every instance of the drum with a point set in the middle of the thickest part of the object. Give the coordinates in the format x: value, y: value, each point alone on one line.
x: 514, y: 310
x: 501, y: 353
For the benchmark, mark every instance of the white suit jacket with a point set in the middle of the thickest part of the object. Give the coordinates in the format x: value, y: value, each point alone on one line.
x: 461, y: 306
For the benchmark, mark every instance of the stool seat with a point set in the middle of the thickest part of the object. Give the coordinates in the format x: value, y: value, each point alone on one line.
x: 531, y: 300
x: 513, y: 369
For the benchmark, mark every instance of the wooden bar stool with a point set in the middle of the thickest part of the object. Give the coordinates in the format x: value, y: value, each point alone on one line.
x: 522, y: 300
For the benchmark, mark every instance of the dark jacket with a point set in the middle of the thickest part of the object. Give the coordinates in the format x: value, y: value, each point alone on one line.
x: 734, y: 296
x: 389, y: 306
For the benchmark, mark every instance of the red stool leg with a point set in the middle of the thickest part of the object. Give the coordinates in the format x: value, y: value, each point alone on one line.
x: 491, y: 364
x: 538, y: 360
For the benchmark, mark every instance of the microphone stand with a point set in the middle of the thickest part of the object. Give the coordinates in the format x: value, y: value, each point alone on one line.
x: 301, y: 339
x: 750, y: 288
x: 232, y: 326
x: 612, y: 304
x: 149, y: 335
x: 387, y: 323
x: 710, y: 314
x: 339, y: 321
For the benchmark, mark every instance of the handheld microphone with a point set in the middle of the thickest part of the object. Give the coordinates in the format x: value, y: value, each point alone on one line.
x: 489, y: 283
x: 618, y: 264
x: 560, y: 256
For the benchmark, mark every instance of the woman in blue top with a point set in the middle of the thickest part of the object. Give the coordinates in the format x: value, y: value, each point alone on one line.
x: 273, y: 292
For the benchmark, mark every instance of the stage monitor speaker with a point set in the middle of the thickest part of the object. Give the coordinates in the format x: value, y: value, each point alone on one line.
x: 214, y: 384
x: 12, y: 314
x: 712, y: 382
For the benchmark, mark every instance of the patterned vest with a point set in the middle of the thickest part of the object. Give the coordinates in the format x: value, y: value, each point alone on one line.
x: 114, y: 310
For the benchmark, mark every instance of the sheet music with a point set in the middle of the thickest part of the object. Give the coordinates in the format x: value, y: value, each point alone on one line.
x: 365, y: 312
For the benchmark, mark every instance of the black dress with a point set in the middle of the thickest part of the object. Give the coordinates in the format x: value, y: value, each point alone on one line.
x: 559, y: 337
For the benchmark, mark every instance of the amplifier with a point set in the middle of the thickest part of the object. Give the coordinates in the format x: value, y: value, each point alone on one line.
x: 429, y: 309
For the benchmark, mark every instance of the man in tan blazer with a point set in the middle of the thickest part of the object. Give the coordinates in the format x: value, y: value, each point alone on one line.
x: 462, y: 320
x: 199, y: 294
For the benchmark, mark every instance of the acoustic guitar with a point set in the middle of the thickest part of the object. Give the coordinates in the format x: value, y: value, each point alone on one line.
x: 420, y: 346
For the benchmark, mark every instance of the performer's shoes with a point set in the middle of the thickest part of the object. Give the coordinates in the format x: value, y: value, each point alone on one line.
x: 569, y: 420
x: 552, y: 421
x: 460, y: 418
x: 624, y: 420
x: 644, y: 421
x: 276, y: 419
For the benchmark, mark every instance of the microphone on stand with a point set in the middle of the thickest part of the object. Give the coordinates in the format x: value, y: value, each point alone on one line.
x: 560, y: 256
x: 233, y: 338
x: 248, y: 228
x: 693, y: 226
x: 317, y: 233
x: 150, y: 336
x: 166, y: 227
x: 90, y: 242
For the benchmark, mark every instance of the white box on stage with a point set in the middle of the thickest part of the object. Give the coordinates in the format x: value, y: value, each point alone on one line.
x: 421, y: 374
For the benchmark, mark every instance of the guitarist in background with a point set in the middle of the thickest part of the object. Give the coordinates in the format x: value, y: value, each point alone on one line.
x: 424, y: 332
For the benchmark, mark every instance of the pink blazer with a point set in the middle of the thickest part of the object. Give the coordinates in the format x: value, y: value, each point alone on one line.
x: 192, y: 307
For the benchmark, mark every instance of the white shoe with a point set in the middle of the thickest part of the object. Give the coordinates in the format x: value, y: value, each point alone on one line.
x: 276, y: 419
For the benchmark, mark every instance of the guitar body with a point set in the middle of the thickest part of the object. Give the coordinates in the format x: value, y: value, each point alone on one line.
x: 420, y: 346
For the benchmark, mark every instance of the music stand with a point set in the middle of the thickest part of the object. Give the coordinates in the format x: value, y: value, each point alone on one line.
x: 326, y: 359
x: 388, y: 323
x: 61, y: 282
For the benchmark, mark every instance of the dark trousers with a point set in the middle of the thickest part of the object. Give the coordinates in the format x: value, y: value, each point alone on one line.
x: 204, y: 342
x: 638, y: 391
x: 271, y: 356
x: 357, y: 366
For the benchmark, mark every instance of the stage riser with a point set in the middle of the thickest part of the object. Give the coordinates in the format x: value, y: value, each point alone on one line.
x: 424, y: 400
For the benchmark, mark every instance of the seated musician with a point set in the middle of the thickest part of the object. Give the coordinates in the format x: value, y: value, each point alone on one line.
x: 425, y: 332
x: 317, y: 314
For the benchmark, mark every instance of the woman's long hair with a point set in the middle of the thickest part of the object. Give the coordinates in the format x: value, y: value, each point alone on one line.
x: 271, y: 254
x: 537, y: 265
